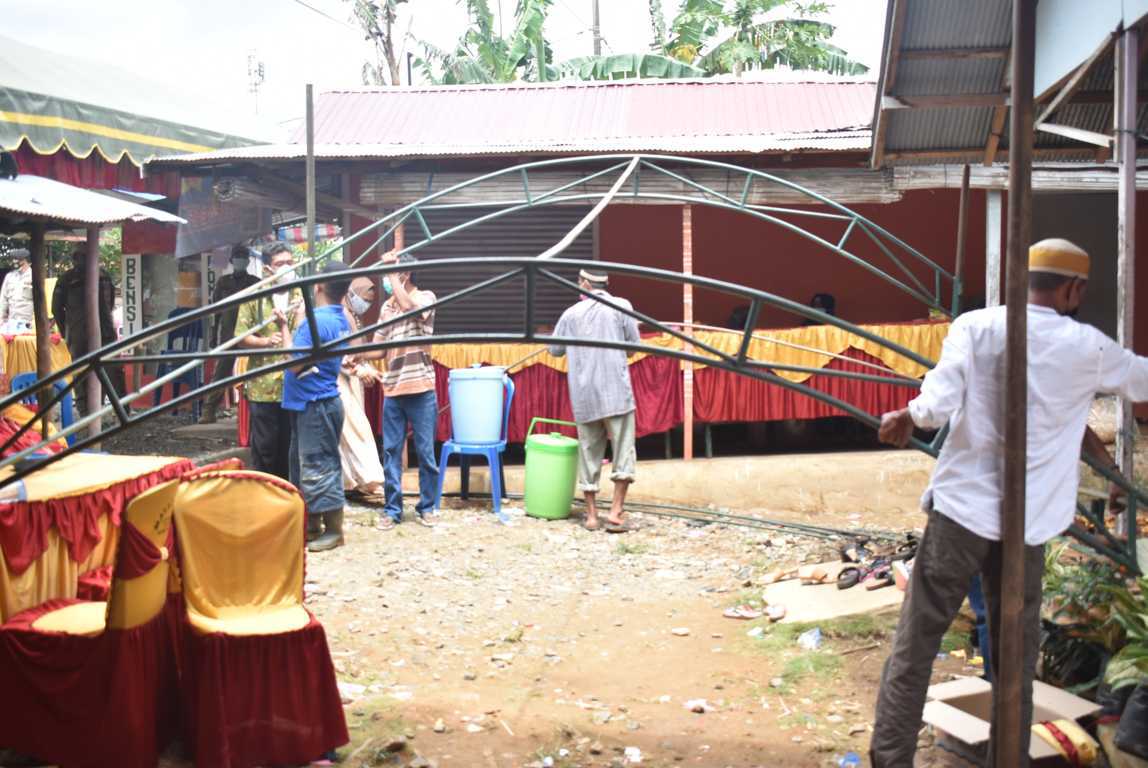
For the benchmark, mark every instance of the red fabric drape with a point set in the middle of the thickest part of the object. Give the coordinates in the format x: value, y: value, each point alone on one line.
x: 136, y: 554
x: 88, y: 702
x: 95, y: 585
x: 719, y: 396
x: 24, y: 525
x: 94, y: 172
x: 242, y: 711
x: 9, y: 427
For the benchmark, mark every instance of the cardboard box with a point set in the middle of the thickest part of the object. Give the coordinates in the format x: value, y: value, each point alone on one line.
x: 961, y: 710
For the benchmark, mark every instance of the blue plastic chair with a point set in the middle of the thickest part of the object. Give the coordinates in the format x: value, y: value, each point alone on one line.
x: 492, y: 452
x: 67, y: 415
x: 186, y: 338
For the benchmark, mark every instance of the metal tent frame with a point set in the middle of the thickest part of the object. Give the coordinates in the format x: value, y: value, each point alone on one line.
x: 625, y: 172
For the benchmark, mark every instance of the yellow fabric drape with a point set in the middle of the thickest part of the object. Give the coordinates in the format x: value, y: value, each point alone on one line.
x: 19, y: 355
x: 83, y: 473
x: 924, y: 338
x: 54, y: 574
x: 241, y: 554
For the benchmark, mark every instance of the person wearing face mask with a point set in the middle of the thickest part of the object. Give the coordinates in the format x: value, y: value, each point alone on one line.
x: 1068, y: 364
x: 224, y: 327
x: 270, y: 424
x: 362, y: 470
x: 408, y: 392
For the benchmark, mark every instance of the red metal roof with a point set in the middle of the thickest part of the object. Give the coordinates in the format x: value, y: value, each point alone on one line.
x: 675, y: 116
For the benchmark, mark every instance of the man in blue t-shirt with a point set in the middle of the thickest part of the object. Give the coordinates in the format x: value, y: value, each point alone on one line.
x: 311, y: 396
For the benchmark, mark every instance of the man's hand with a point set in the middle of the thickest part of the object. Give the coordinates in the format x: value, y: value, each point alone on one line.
x: 1117, y: 498
x: 896, y: 428
x: 275, y: 340
x: 280, y: 318
x: 390, y: 257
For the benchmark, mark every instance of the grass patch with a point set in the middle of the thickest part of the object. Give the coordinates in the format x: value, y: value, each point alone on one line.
x: 810, y: 664
x: 954, y: 640
x: 626, y: 548
x: 472, y: 574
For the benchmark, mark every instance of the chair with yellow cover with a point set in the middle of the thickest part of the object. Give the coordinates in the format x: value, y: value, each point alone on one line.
x: 87, y: 684
x: 259, y: 684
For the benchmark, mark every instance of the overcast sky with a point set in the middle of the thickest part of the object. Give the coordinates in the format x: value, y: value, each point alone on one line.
x: 200, y: 49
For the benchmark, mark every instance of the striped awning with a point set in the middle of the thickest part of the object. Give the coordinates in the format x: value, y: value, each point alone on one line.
x: 54, y: 101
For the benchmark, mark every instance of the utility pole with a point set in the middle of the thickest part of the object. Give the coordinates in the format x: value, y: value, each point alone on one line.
x: 596, y: 28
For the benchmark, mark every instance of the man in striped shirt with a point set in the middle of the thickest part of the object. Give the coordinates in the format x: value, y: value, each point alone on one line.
x: 408, y: 392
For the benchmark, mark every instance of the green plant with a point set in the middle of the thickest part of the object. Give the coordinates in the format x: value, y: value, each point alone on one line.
x: 1078, y: 595
x: 1130, y: 613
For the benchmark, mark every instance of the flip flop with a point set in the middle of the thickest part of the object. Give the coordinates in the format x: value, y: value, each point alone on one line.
x: 880, y: 576
x: 742, y: 612
x: 384, y: 523
x: 618, y: 527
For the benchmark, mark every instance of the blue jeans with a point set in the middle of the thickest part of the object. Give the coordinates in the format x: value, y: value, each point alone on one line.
x: 316, y: 467
x: 977, y: 603
x: 421, y: 413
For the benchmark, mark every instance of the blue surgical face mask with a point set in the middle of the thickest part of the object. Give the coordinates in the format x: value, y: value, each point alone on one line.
x: 387, y: 287
x: 359, y: 305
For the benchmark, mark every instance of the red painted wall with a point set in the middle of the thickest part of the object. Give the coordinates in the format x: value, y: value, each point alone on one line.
x: 742, y: 249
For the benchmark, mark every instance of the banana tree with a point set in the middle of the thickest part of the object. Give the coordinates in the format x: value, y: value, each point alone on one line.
x: 482, y: 55
x: 723, y: 36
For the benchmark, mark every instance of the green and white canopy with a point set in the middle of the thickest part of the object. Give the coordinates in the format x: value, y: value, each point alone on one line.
x: 53, y: 101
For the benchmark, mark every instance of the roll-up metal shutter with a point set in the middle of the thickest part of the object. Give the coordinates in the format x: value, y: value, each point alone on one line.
x: 524, y: 233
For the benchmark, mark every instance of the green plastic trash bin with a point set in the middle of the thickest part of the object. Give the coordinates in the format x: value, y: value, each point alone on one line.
x: 551, y: 470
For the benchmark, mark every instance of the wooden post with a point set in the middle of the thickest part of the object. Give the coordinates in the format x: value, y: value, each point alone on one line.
x: 688, y: 321
x: 993, y: 210
x: 1128, y: 53
x: 962, y: 227
x: 40, y: 316
x: 1008, y: 667
x: 310, y: 173
x: 92, y: 321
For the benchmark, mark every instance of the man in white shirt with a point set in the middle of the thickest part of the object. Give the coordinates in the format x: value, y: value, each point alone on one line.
x: 1068, y: 363
x: 16, y: 294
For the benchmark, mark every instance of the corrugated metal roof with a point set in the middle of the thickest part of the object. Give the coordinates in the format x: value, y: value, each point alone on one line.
x: 948, y: 24
x: 682, y: 116
x: 50, y: 200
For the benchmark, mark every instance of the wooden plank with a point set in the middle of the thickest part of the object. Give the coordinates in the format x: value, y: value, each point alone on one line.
x: 954, y: 53
x: 309, y: 172
x: 995, y: 131
x: 962, y: 231
x: 1075, y: 80
x: 1009, y: 666
x: 993, y: 210
x: 895, y: 22
x: 944, y: 101
x: 40, y: 316
x: 687, y: 320
x: 1126, y: 240
x: 1077, y: 134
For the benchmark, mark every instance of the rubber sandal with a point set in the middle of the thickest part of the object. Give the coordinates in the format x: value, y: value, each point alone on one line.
x: 385, y: 523
x: 743, y: 612
x: 618, y: 528
x: 880, y: 576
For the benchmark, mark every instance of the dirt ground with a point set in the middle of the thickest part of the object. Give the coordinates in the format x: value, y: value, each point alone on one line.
x: 540, y: 643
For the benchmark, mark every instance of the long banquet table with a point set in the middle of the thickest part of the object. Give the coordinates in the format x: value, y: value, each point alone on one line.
x: 69, y: 524
x: 719, y: 396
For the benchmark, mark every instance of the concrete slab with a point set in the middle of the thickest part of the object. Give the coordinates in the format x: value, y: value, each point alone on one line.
x: 821, y: 602
x: 224, y: 429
